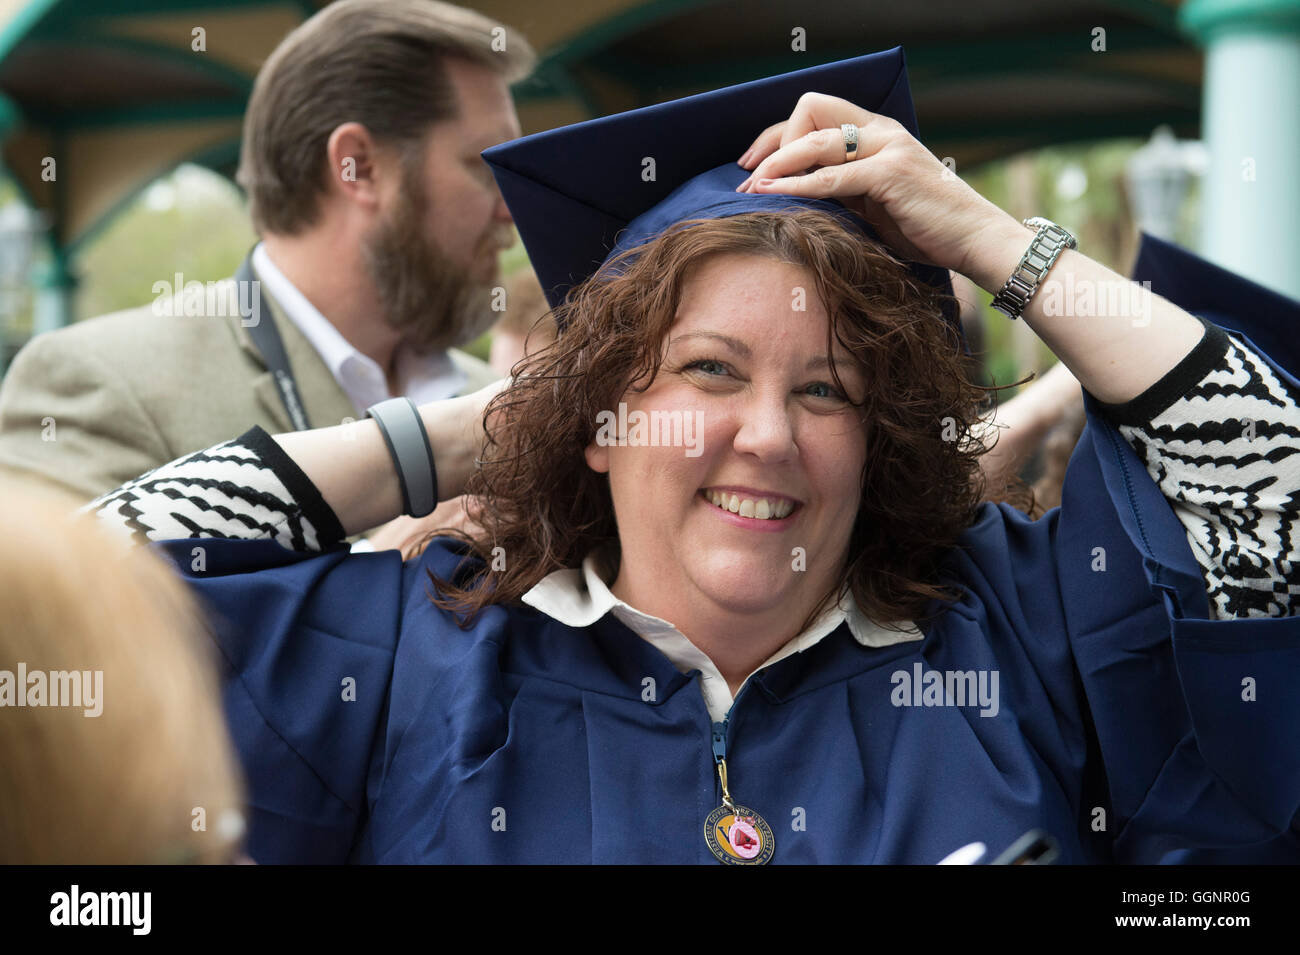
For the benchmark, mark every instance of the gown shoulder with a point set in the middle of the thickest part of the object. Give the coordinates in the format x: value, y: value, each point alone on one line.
x: 307, y: 642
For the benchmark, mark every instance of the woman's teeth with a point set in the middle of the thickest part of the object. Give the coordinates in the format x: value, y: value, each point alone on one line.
x: 763, y: 509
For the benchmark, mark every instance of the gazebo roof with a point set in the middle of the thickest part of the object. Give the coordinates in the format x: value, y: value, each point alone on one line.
x: 116, y: 94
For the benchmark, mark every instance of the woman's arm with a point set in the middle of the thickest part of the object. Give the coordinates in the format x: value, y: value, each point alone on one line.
x: 1220, y: 437
x: 1116, y: 337
x: 1012, y: 431
x: 307, y: 489
x: 352, y: 467
x: 298, y: 631
x: 1181, y: 398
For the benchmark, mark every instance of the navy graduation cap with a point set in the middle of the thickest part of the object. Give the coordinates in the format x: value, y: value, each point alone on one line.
x: 578, y: 195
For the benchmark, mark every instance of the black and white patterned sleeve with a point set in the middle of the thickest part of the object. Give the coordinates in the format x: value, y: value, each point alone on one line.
x: 1220, y: 436
x: 248, y: 488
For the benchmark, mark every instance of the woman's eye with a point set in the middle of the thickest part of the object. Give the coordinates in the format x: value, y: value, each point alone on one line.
x: 710, y: 366
x: 823, y: 390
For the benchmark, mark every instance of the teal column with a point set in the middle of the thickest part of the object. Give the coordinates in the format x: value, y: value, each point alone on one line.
x: 55, y: 285
x: 1250, y: 213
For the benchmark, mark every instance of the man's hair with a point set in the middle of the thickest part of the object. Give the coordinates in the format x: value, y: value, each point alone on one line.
x: 381, y: 63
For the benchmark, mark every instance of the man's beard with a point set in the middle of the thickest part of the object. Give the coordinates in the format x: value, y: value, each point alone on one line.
x: 430, y: 299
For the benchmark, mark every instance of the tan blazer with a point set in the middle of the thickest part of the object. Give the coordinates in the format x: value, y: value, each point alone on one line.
x: 93, y: 405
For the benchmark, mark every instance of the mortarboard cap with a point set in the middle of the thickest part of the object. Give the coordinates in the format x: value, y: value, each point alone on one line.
x: 578, y: 194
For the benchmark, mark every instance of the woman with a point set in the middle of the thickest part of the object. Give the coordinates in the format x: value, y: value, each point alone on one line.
x: 888, y: 671
x: 111, y: 732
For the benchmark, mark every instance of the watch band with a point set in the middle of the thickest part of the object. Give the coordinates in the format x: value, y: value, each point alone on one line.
x: 408, y: 442
x: 1041, y: 255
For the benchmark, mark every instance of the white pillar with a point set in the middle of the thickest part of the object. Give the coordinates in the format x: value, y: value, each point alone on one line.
x: 1250, y: 214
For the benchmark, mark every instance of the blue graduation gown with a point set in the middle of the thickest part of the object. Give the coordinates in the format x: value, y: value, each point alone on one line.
x: 1121, y: 727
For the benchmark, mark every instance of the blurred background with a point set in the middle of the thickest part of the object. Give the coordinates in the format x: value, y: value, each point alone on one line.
x: 120, y: 119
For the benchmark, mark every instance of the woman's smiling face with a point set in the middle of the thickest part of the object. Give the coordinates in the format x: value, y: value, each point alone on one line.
x: 745, y: 363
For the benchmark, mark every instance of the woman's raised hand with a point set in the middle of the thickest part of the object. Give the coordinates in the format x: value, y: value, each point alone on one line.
x: 410, y: 535
x: 919, y: 207
x: 927, y: 214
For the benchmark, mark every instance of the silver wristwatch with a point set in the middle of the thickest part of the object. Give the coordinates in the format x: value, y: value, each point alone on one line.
x: 1042, y: 253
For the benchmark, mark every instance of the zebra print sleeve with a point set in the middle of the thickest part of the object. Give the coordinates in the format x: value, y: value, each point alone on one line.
x: 247, y: 488
x: 1220, y: 436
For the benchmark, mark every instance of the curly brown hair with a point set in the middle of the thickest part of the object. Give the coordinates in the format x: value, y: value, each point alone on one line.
x: 921, y: 484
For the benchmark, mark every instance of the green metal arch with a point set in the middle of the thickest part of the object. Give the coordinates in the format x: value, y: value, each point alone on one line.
x: 1148, y: 11
x: 135, y: 115
x: 554, y: 73
x: 219, y: 154
x: 23, y: 22
x: 202, y: 65
x: 603, y: 34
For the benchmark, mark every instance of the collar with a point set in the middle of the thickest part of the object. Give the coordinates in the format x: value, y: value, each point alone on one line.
x: 580, y: 597
x: 425, y: 377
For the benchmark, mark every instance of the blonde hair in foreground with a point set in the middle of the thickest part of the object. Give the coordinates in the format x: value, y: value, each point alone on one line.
x: 133, y: 783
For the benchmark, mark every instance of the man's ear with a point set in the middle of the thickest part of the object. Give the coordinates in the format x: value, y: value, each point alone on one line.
x: 355, y: 164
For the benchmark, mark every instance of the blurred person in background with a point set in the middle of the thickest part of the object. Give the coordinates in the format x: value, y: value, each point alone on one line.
x: 971, y: 314
x: 135, y: 765
x: 1017, y: 429
x: 1057, y: 448
x: 1021, y: 427
x: 381, y: 228
x: 527, y: 325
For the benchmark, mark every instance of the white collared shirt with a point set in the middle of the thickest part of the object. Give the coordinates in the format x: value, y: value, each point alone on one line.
x: 424, y: 378
x: 578, y: 598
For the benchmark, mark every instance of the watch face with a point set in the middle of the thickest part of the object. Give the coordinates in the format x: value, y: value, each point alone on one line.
x: 1067, y: 237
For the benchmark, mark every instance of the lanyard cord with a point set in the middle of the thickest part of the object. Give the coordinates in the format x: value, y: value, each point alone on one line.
x: 267, y: 339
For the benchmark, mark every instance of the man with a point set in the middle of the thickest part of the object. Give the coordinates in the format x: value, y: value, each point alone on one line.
x: 380, y: 226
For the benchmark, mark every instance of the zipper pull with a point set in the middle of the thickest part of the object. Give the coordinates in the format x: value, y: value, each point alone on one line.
x: 720, y: 760
x: 735, y: 834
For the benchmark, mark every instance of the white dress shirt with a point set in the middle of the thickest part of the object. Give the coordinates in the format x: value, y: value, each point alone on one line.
x: 423, y: 378
x: 578, y: 598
